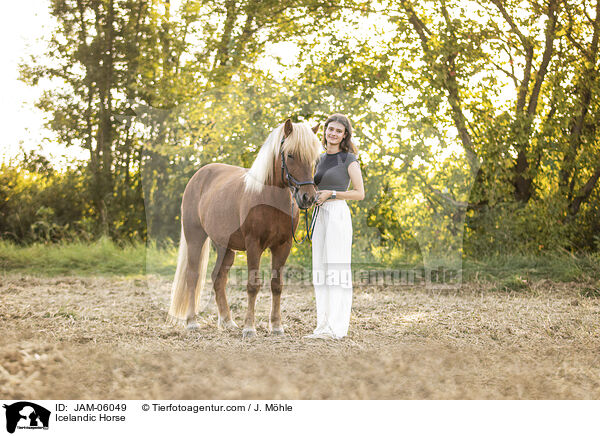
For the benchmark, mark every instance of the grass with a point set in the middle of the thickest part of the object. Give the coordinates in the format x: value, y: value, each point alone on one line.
x: 510, y: 273
x: 557, y: 266
x: 102, y: 257
x: 590, y: 291
x: 99, y: 258
x: 513, y: 284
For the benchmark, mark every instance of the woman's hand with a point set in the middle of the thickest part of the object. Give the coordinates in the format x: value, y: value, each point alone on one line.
x: 323, y: 196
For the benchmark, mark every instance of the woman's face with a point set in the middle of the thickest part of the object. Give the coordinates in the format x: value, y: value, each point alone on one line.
x: 335, y: 133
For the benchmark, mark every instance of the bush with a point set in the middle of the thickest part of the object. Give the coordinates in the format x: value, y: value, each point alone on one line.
x: 41, y: 207
x: 539, y: 226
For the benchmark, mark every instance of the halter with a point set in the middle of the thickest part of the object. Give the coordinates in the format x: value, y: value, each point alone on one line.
x: 294, y: 185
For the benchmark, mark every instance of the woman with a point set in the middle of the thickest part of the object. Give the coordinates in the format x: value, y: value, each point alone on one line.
x: 332, y: 238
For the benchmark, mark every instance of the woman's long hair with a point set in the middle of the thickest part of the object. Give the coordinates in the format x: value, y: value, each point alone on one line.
x: 347, y: 144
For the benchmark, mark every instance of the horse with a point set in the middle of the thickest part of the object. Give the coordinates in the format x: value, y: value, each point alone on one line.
x: 241, y: 209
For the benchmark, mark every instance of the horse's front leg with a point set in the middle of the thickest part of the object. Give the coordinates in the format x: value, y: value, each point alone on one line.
x: 253, y: 254
x: 279, y: 257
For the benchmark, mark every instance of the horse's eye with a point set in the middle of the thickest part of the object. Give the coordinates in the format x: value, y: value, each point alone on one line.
x: 290, y: 156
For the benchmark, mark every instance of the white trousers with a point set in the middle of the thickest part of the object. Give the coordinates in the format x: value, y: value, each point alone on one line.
x: 332, y: 274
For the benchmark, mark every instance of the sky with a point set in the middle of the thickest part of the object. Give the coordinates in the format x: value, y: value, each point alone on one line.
x: 21, y: 25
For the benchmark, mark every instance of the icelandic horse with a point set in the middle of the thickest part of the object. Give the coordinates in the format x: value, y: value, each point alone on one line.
x: 244, y: 209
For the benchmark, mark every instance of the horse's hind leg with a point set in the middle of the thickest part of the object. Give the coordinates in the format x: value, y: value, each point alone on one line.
x: 279, y: 256
x: 196, y: 237
x: 225, y: 258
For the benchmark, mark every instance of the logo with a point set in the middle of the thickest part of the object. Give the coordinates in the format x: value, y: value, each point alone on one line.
x: 26, y: 415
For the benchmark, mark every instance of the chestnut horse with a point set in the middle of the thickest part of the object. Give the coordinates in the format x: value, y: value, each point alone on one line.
x: 244, y: 209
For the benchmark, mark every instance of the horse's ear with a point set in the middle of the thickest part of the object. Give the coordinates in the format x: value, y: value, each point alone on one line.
x: 316, y: 128
x: 287, y: 129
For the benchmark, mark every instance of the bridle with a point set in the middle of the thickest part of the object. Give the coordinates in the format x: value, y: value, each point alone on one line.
x: 294, y: 186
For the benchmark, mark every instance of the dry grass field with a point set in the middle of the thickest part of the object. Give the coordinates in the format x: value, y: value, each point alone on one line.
x: 101, y: 338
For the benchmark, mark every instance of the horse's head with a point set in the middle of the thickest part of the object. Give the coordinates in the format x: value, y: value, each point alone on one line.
x: 299, y: 150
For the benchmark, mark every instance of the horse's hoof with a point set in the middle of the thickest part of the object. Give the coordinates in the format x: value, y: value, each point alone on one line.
x: 192, y: 325
x: 230, y: 325
x: 277, y: 332
x: 248, y: 333
x: 227, y: 325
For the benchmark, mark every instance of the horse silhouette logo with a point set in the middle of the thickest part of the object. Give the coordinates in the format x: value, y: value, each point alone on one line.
x: 26, y: 415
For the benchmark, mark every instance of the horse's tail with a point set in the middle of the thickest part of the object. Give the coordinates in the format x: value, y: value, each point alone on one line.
x: 180, y: 298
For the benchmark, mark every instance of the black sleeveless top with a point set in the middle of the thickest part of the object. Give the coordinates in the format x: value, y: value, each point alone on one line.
x: 332, y: 171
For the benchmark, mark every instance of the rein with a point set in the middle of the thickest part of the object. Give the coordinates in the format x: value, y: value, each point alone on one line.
x: 294, y: 185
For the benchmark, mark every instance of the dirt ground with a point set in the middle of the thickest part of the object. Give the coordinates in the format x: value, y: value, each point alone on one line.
x: 106, y: 338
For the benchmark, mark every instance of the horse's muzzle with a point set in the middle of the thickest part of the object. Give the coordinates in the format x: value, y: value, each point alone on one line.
x: 304, y: 200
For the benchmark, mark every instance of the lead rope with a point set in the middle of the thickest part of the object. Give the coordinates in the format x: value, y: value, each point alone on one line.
x: 313, y: 220
x: 310, y: 230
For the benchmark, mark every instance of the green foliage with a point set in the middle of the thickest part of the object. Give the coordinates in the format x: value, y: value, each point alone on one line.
x: 475, y: 121
x: 43, y: 206
x: 514, y: 228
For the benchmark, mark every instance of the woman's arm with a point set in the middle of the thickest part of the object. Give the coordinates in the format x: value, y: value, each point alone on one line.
x: 358, y: 193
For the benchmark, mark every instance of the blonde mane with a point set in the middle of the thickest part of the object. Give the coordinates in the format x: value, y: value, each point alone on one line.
x: 302, y: 143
